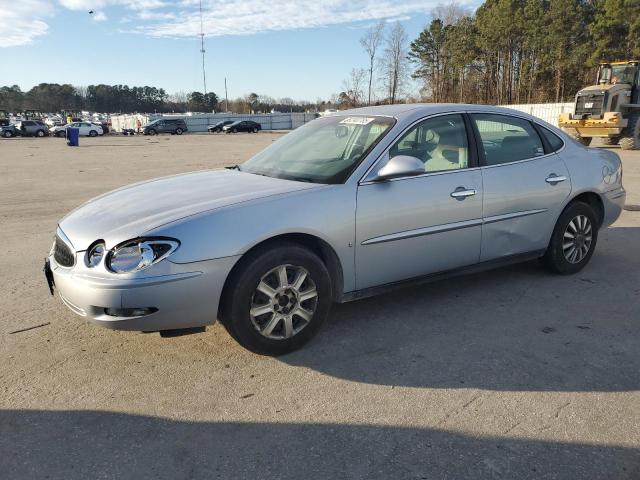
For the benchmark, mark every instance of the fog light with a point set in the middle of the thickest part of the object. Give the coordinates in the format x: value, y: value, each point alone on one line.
x: 130, y: 312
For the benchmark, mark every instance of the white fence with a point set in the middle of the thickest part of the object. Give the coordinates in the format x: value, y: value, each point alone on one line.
x: 200, y: 122
x: 548, y: 112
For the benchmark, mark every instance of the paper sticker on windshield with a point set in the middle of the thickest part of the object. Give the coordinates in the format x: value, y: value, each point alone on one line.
x: 357, y: 120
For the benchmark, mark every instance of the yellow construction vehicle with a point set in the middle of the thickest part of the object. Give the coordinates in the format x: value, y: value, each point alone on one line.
x: 610, y: 109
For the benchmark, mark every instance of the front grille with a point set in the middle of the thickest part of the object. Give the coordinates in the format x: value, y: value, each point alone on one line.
x: 63, y: 255
x: 589, y: 105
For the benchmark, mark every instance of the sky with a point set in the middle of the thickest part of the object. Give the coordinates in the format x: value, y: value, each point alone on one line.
x: 301, y: 49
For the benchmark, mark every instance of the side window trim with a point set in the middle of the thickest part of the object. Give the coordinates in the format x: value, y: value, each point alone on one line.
x: 481, y: 155
x: 548, y: 148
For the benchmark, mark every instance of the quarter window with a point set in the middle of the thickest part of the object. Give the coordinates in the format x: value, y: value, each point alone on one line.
x: 507, y: 139
x: 555, y: 142
x: 439, y: 142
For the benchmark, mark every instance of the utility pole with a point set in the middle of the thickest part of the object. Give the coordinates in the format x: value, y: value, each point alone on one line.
x: 204, y: 75
x: 226, y: 95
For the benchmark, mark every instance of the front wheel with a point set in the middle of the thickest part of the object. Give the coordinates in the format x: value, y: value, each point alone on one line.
x: 573, y: 241
x: 152, y: 132
x: 7, y: 134
x: 277, y: 299
x: 93, y: 133
x: 610, y: 141
x: 255, y: 129
x: 178, y: 131
x: 40, y: 133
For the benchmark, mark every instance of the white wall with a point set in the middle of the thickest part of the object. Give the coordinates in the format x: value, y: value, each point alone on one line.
x: 200, y: 122
x: 548, y: 112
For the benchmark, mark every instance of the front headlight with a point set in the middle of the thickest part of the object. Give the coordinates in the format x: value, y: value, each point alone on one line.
x: 136, y: 255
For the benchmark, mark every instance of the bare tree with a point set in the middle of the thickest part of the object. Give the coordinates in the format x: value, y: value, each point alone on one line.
x: 353, y: 86
x: 370, y: 42
x: 450, y: 13
x: 395, y: 63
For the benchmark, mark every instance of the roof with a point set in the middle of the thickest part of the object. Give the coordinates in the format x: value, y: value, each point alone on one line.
x: 402, y: 110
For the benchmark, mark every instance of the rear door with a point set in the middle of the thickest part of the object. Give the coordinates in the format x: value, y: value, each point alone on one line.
x: 525, y: 186
x: 418, y: 225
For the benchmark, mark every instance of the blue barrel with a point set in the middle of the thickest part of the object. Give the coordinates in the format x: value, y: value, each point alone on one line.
x: 73, y: 136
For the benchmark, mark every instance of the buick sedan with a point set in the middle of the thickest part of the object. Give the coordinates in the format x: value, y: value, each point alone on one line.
x: 349, y: 205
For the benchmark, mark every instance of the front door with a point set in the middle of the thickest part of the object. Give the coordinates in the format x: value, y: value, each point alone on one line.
x: 414, y: 226
x: 524, y: 186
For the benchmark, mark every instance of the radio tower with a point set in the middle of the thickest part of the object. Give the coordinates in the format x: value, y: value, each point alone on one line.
x: 204, y: 75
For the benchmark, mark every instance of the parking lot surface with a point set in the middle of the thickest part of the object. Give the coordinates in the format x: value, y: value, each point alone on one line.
x: 514, y: 373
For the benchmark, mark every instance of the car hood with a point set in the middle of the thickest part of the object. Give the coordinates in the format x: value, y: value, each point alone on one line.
x: 131, y: 211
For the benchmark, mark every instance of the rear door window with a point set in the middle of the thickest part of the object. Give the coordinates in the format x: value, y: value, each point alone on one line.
x: 505, y: 139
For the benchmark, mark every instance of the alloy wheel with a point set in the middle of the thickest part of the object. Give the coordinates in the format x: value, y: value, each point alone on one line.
x: 284, y: 302
x: 577, y: 239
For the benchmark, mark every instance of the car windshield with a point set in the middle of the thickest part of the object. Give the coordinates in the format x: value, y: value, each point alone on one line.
x: 325, y: 150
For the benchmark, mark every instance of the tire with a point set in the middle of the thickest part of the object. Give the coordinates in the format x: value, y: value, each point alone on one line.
x: 178, y: 131
x: 93, y: 133
x: 152, y: 132
x: 7, y: 134
x: 40, y: 133
x: 255, y: 129
x: 586, y: 141
x: 566, y: 255
x: 630, y: 138
x: 270, y: 332
x: 610, y: 141
x: 234, y: 130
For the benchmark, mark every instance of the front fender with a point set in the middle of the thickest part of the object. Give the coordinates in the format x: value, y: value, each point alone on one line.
x: 327, y: 213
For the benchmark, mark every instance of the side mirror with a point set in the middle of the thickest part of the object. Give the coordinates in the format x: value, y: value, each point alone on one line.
x: 399, y: 166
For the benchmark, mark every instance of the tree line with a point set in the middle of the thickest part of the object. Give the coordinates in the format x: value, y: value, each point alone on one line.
x: 53, y: 97
x: 508, y: 51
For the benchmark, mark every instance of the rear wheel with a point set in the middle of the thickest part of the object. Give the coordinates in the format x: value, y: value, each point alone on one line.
x: 573, y: 241
x: 93, y: 133
x: 586, y: 141
x: 152, y: 132
x: 630, y: 139
x: 40, y: 133
x: 7, y: 134
x: 277, y: 299
x: 255, y: 129
x: 178, y: 131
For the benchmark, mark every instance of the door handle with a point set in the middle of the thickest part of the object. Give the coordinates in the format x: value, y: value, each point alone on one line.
x: 554, y: 179
x: 461, y: 193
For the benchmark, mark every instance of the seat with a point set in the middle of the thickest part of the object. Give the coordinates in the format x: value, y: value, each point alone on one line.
x: 451, y: 152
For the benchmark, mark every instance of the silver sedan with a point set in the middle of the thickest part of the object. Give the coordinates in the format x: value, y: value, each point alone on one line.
x: 347, y: 206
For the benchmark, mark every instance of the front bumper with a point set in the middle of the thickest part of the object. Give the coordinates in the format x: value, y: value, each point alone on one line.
x: 186, y: 297
x: 609, y: 126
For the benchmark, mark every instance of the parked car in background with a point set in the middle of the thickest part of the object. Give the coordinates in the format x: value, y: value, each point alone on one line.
x: 440, y: 190
x: 8, y: 131
x: 175, y: 126
x: 32, y: 128
x: 217, y: 127
x: 242, y: 126
x: 87, y: 129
